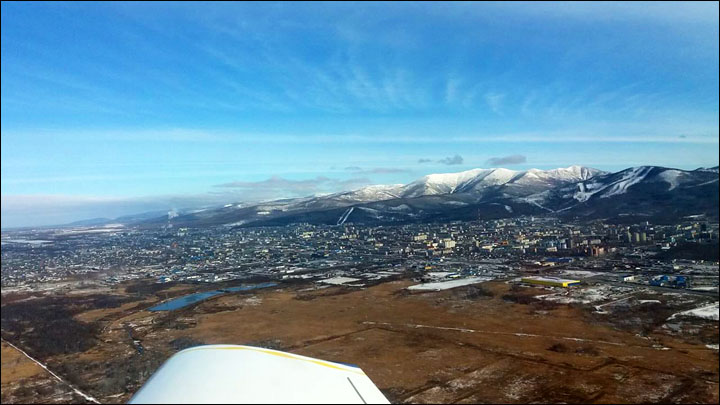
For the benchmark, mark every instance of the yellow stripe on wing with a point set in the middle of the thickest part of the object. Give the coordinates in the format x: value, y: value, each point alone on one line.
x: 282, y: 354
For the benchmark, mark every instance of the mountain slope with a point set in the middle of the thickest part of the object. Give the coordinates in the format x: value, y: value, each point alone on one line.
x: 575, y: 191
x: 481, y: 180
x: 648, y: 191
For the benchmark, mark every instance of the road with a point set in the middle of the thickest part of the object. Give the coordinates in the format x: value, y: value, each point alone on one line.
x: 57, y: 377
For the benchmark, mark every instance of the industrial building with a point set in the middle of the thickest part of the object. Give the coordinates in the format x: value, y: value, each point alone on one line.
x: 550, y: 281
x: 670, y: 281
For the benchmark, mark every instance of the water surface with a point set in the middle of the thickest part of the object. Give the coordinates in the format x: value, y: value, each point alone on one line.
x: 190, y: 299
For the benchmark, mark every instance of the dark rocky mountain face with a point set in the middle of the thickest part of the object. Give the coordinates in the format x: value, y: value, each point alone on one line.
x: 654, y: 192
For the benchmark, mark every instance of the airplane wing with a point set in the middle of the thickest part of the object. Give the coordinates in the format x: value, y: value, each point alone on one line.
x: 244, y: 374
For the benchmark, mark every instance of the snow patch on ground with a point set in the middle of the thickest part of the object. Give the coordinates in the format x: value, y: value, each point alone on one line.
x: 585, y: 191
x: 631, y: 177
x: 252, y: 301
x: 339, y: 280
x: 238, y: 223
x: 580, y: 273
x: 672, y: 177
x: 536, y: 199
x: 439, y: 274
x: 586, y: 295
x: 711, y: 312
x: 705, y: 288
x: 707, y: 182
x: 446, y: 285
x: 345, y: 216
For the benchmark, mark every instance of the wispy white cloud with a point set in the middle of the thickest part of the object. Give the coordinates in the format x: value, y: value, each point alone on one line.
x: 494, y: 101
x: 612, y: 132
x: 452, y: 86
x: 640, y: 11
x: 423, y: 80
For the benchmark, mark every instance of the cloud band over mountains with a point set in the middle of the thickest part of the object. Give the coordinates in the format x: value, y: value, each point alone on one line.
x: 279, y: 187
x: 450, y: 160
x: 375, y: 170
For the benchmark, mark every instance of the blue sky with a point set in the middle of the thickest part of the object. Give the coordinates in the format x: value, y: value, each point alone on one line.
x: 110, y: 109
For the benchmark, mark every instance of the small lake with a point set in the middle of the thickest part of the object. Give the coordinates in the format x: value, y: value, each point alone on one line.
x: 190, y: 299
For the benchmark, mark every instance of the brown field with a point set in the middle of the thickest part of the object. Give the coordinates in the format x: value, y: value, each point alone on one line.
x: 26, y: 382
x: 449, y: 346
x: 15, y: 366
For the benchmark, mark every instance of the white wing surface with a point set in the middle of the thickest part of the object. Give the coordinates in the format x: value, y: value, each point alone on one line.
x: 244, y: 374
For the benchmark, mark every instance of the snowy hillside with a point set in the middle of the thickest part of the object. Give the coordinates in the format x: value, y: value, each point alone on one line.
x: 487, y: 193
x: 477, y: 180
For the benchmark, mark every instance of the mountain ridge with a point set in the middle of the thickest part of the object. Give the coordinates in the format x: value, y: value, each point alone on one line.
x: 571, y: 192
x: 575, y: 191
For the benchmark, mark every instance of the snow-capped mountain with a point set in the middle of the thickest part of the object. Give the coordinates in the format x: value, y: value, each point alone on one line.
x: 445, y: 183
x: 617, y: 183
x: 377, y: 192
x: 478, y: 180
x: 708, y: 169
x: 613, y: 184
x: 487, y: 193
x: 641, y: 191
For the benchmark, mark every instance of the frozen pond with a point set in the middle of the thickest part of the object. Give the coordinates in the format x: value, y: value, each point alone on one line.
x: 186, y: 300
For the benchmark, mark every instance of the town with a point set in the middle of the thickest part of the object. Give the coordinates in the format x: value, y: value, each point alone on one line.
x: 678, y: 255
x: 133, y: 296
